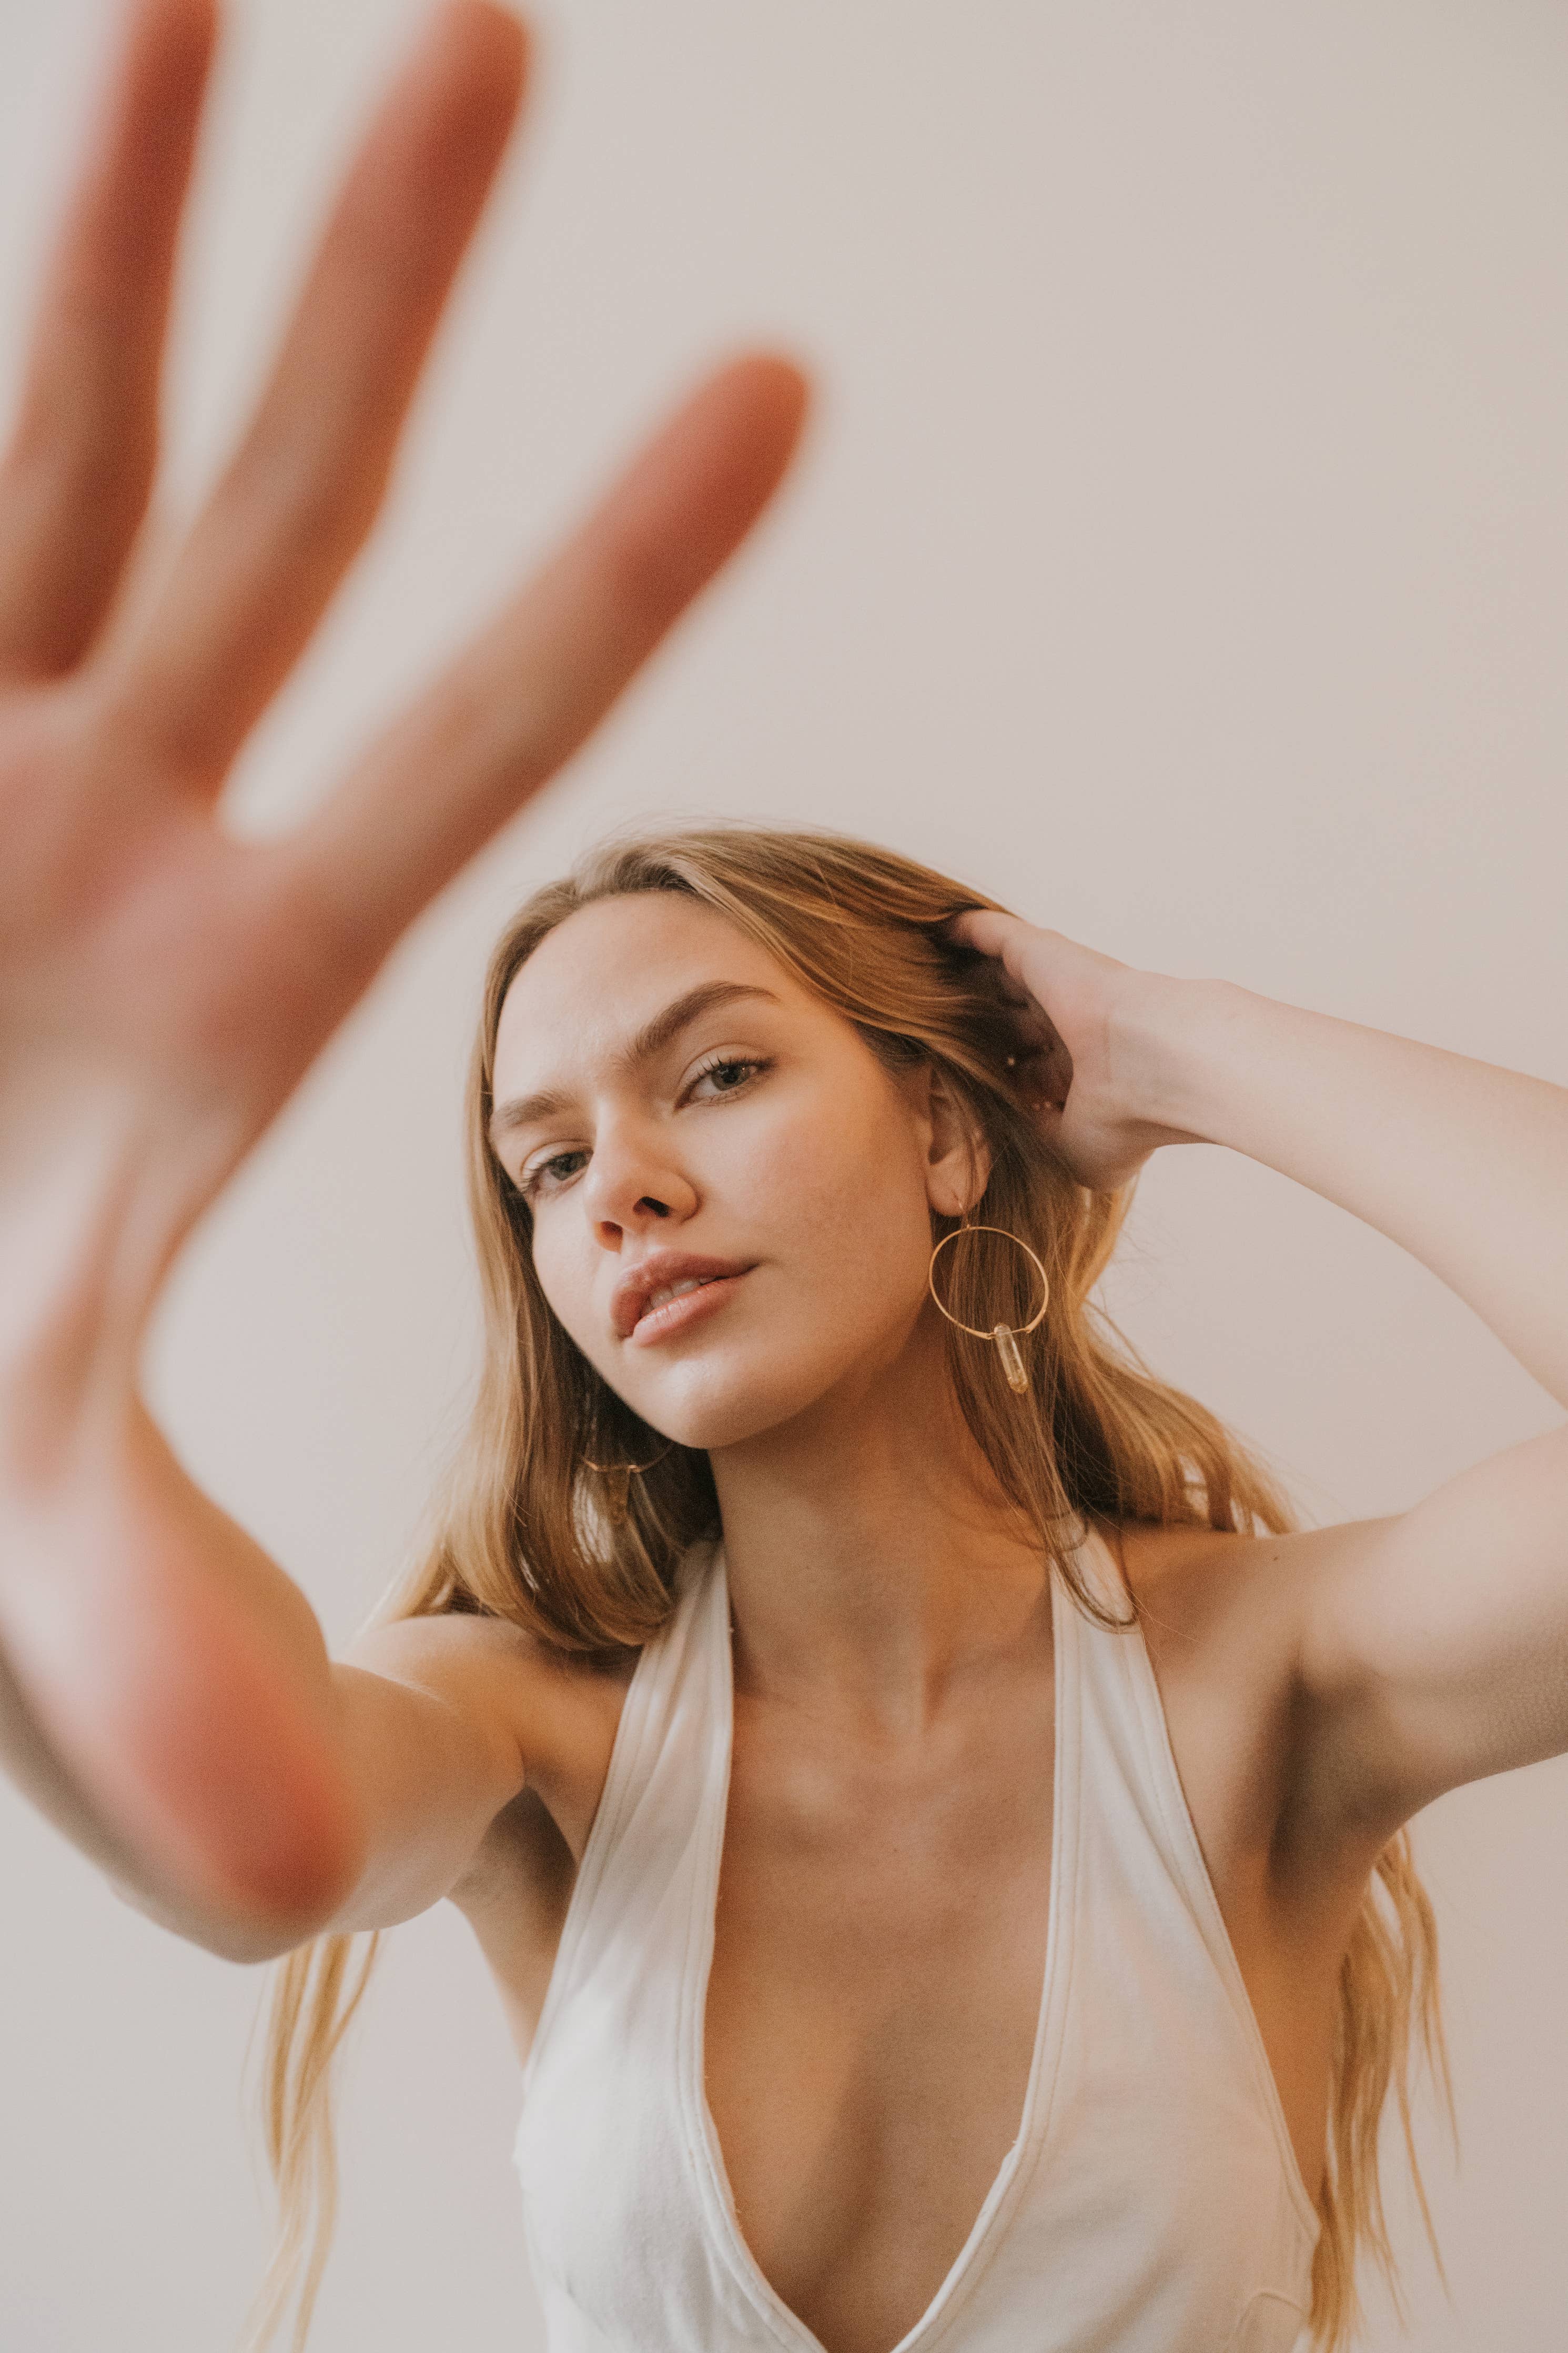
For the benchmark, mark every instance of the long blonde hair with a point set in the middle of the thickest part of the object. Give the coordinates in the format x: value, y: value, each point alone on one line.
x: 521, y: 1537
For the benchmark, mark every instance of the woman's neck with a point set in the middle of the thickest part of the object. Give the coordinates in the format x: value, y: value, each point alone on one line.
x: 872, y: 1564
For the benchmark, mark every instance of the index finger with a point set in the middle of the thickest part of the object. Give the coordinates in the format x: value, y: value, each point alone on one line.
x: 519, y: 702
x: 187, y: 676
x: 985, y: 929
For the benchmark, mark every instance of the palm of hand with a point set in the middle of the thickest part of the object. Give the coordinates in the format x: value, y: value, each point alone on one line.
x: 165, y: 983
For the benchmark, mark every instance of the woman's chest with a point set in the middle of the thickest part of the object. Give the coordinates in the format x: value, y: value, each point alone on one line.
x: 878, y: 1958
x: 881, y: 1918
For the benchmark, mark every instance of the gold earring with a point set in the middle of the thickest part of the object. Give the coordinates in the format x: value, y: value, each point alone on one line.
x: 617, y: 1493
x: 1006, y: 1338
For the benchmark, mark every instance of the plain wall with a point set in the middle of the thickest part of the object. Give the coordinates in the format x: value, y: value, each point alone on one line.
x: 1178, y: 552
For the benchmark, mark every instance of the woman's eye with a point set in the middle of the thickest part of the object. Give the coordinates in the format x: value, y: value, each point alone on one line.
x: 546, y: 1173
x: 729, y: 1073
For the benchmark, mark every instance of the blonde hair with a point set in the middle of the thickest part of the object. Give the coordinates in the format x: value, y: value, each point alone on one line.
x: 521, y: 1539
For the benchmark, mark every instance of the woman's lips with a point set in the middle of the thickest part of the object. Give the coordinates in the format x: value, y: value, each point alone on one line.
x: 678, y: 1315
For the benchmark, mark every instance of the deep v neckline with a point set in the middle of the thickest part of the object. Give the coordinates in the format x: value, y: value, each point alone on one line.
x: 787, y: 2327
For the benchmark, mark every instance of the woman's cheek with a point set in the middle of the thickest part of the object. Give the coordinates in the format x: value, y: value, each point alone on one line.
x: 787, y: 1180
x: 852, y: 1200
x: 568, y: 1287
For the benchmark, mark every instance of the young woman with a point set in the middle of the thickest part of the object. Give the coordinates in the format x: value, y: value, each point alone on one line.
x: 938, y: 1836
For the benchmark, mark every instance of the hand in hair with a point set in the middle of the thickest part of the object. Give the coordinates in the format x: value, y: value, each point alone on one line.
x: 1087, y: 1041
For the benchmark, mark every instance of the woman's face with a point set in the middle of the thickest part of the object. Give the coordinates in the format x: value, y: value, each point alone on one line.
x: 676, y: 1108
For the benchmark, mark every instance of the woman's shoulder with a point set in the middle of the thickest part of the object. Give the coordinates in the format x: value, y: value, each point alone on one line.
x: 1191, y: 1567
x: 559, y: 1708
x: 1218, y: 1607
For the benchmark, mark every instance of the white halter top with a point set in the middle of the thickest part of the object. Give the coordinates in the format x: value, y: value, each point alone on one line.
x: 1152, y: 2201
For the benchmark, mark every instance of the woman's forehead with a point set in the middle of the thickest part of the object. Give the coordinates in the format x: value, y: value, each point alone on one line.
x: 611, y: 968
x: 609, y: 944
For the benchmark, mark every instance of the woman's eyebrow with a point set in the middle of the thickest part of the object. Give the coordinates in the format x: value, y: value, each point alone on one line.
x: 650, y: 1040
x: 706, y: 997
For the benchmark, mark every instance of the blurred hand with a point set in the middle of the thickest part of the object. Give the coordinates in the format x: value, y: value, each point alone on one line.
x: 162, y: 985
x: 1087, y: 1044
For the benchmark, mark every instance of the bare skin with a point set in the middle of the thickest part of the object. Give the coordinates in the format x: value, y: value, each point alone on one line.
x: 881, y: 1916
x: 166, y: 1696
x: 909, y: 1875
x: 164, y: 986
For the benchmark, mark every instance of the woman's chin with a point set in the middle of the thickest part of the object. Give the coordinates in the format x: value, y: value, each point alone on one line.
x: 716, y: 1408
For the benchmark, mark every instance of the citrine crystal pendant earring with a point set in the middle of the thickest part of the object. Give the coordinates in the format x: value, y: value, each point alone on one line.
x: 617, y: 1478
x: 1007, y: 1338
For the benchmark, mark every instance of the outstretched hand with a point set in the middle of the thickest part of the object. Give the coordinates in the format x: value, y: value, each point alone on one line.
x: 166, y: 985
x: 1087, y: 1044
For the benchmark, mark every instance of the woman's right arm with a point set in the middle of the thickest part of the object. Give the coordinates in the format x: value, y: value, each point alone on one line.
x: 294, y: 1793
x: 435, y: 1723
x: 166, y: 1700
x: 166, y: 1694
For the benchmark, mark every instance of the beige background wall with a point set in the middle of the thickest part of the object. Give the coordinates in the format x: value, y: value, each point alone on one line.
x: 1180, y: 553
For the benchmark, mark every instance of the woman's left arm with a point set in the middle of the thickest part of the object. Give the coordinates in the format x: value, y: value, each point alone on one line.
x: 1432, y: 1645
x: 1463, y: 1163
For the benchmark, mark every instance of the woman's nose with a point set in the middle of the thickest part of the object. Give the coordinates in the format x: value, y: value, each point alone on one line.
x: 631, y: 1186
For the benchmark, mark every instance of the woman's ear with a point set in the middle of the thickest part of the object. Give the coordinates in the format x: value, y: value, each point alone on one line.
x: 958, y: 1157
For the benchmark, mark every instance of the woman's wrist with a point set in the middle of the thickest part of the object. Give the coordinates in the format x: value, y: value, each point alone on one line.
x: 1168, y: 1046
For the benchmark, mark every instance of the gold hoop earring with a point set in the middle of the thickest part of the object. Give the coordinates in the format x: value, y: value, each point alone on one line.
x: 617, y: 1493
x: 1006, y: 1338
